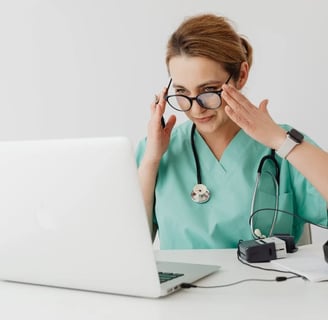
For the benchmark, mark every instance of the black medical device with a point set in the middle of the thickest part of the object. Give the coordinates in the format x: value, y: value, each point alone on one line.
x: 325, y: 251
x: 262, y: 250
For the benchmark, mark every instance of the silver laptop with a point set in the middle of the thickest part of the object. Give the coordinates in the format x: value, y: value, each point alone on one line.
x: 72, y: 215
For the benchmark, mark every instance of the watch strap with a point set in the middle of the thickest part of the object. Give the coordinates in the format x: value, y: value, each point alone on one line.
x: 293, y: 138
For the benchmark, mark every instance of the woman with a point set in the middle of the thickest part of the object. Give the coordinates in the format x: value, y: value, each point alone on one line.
x: 209, y: 64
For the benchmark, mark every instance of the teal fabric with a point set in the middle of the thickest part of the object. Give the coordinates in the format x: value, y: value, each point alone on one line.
x: 224, y: 219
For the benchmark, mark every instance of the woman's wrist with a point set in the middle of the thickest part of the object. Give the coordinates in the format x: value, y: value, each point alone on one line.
x: 150, y: 160
x: 278, y: 139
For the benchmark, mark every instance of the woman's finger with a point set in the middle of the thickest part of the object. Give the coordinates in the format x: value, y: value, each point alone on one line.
x: 235, y: 95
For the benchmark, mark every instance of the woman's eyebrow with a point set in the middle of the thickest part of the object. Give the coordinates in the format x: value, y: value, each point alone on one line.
x: 210, y: 82
x: 178, y: 86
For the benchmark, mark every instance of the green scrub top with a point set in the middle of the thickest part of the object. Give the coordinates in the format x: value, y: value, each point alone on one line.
x: 224, y: 220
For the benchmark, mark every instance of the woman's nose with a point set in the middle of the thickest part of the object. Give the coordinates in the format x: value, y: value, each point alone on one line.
x: 196, y: 107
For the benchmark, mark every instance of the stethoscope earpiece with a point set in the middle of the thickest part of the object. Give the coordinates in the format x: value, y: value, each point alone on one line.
x: 200, y: 193
x: 258, y: 233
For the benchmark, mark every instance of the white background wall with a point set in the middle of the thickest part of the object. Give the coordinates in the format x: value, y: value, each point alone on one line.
x: 73, y: 68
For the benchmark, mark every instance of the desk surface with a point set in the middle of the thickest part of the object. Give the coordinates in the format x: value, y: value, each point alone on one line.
x: 294, y: 299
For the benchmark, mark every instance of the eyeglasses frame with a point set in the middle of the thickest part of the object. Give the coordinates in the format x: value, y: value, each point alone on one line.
x: 192, y: 99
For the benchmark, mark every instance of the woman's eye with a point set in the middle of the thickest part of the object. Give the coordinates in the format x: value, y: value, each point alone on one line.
x: 180, y: 91
x: 210, y: 89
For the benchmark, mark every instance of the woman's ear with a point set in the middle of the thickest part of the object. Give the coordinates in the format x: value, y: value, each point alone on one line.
x: 243, y: 75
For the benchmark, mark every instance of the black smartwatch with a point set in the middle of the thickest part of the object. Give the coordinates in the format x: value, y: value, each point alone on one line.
x: 293, y: 138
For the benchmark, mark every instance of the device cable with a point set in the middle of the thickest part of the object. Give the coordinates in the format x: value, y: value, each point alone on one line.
x: 277, y: 279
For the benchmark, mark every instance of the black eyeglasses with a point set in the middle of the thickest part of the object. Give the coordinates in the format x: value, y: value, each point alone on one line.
x: 207, y: 100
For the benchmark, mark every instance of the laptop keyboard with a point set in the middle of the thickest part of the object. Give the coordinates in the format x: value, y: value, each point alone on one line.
x: 167, y: 276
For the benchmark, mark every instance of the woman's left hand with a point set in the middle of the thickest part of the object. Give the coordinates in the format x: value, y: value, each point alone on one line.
x: 255, y: 121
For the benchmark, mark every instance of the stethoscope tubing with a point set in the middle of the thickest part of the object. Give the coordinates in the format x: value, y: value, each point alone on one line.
x: 275, y: 179
x: 195, y: 153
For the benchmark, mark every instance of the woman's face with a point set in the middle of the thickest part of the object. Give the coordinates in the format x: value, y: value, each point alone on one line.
x: 194, y: 75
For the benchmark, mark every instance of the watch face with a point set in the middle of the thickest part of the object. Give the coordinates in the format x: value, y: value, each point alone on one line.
x: 296, y: 135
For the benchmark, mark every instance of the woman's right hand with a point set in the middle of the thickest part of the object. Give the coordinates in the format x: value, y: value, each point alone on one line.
x: 158, y: 138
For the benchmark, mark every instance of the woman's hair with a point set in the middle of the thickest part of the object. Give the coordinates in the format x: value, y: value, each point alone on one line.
x: 213, y: 37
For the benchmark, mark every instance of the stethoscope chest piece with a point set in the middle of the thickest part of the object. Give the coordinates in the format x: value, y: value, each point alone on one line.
x: 200, y: 193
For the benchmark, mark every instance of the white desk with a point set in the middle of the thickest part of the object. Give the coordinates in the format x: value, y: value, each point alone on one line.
x: 292, y: 299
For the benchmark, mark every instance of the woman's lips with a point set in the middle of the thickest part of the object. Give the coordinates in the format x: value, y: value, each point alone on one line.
x: 203, y: 119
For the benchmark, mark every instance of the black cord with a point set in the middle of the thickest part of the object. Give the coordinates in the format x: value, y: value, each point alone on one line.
x: 254, y: 213
x: 277, y: 279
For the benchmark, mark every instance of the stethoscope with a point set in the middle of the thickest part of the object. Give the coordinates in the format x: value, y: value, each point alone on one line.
x: 201, y: 194
x: 275, y: 178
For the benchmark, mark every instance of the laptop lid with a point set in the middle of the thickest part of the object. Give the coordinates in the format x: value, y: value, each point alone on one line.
x: 72, y: 215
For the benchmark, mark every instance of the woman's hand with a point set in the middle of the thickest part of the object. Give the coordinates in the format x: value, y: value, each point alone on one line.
x: 255, y: 121
x: 308, y: 159
x: 158, y: 138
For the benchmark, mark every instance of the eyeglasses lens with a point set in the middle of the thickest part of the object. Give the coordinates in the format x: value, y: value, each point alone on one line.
x: 180, y: 103
x: 209, y: 100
